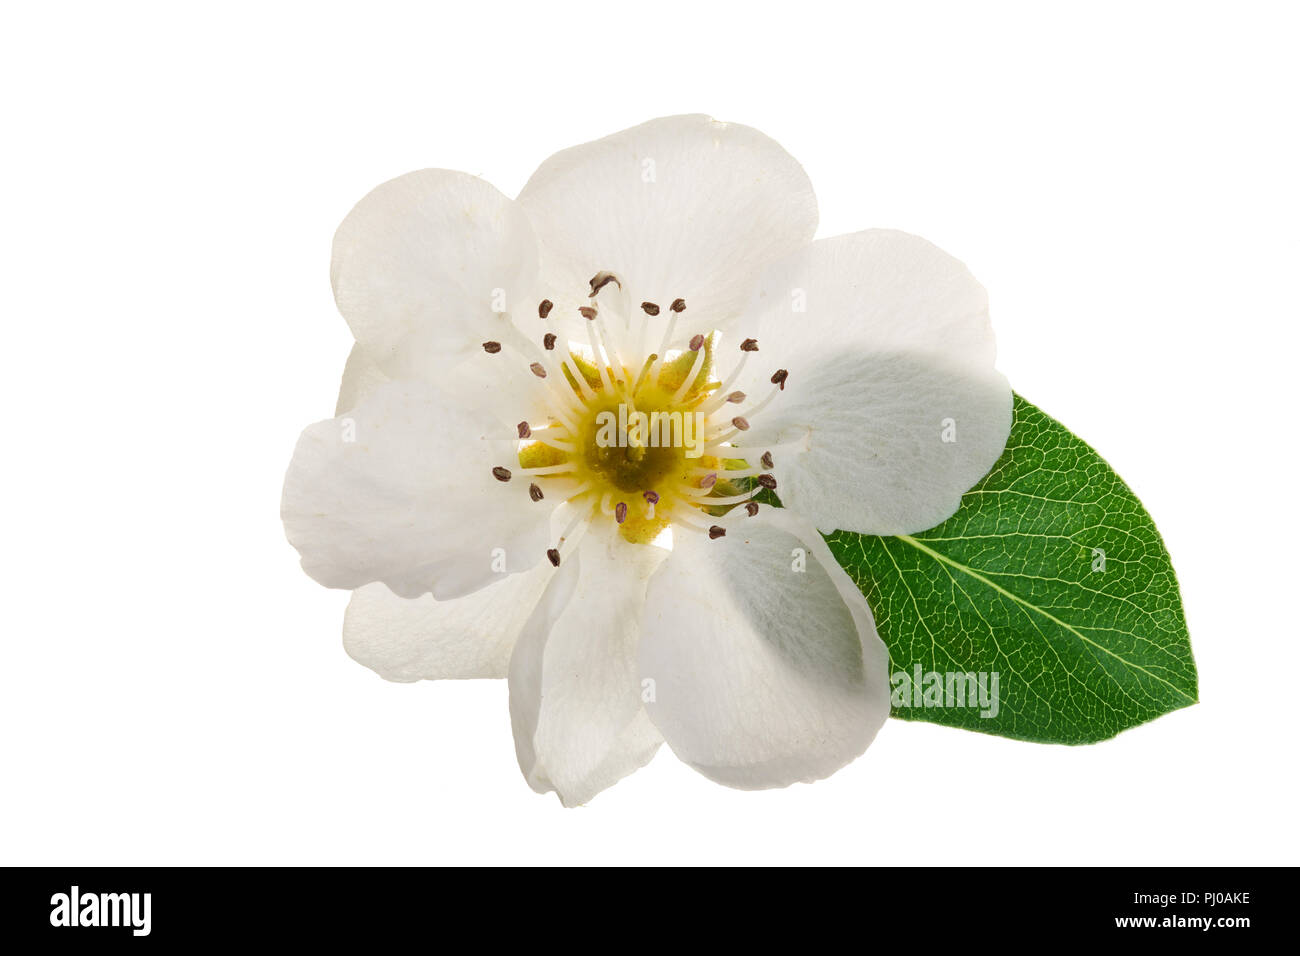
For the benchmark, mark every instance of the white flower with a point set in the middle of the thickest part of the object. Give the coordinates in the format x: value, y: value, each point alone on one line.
x: 668, y: 268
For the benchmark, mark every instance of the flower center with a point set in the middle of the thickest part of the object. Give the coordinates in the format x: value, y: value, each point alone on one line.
x: 646, y: 440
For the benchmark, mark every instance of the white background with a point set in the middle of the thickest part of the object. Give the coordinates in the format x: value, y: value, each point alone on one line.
x: 173, y: 689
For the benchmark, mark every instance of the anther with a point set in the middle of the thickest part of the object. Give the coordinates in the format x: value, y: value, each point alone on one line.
x: 600, y: 280
x: 524, y: 430
x: 679, y: 305
x: 553, y: 555
x: 749, y: 345
x: 736, y: 398
x: 697, y: 342
x: 709, y: 480
x: 548, y: 341
x: 544, y: 308
x: 751, y: 508
x: 588, y: 312
x: 651, y: 496
x: 535, y: 492
x: 779, y: 377
x: 739, y: 422
x: 766, y: 460
x: 716, y: 531
x: 650, y: 308
x: 767, y: 481
x: 538, y: 370
x: 491, y: 348
x: 501, y: 474
x: 620, y: 512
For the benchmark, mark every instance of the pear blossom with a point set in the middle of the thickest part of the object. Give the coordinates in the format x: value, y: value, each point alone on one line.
x: 562, y: 418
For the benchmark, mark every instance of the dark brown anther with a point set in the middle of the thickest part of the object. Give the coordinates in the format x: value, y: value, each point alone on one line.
x: 651, y: 496
x: 740, y: 422
x: 524, y: 430
x: 588, y: 312
x: 716, y: 532
x: 544, y: 308
x: 751, y: 508
x: 709, y: 480
x: 620, y: 512
x: 553, y: 555
x: 491, y: 348
x: 548, y: 341
x: 697, y: 343
x: 650, y: 308
x: 538, y: 369
x: 767, y: 481
x: 600, y: 280
x: 679, y: 305
x: 749, y: 345
x: 501, y: 474
x: 535, y: 492
x: 779, y: 377
x: 736, y: 398
x: 766, y: 460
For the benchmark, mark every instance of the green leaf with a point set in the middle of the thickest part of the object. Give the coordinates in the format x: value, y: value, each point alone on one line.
x: 1051, y: 575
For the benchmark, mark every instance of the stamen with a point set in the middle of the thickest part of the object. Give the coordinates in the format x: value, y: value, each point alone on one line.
x: 716, y: 531
x: 587, y: 391
x: 779, y: 377
x: 620, y: 512
x: 766, y: 460
x: 723, y: 394
x: 535, y: 492
x: 544, y: 308
x: 751, y: 509
x: 599, y: 357
x: 582, y: 517
x: 696, y: 343
x: 525, y: 431
x: 689, y: 381
x: 723, y: 500
x: 587, y: 312
x: 650, y: 308
x: 548, y: 341
x: 709, y: 480
x: 491, y: 348
x: 740, y: 423
x: 600, y: 280
x: 749, y: 345
x: 557, y: 443
x: 767, y: 481
x: 677, y: 308
x: 543, y: 470
x: 538, y: 369
x: 501, y: 474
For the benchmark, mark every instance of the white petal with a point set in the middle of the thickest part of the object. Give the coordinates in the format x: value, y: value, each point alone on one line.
x: 425, y: 265
x: 679, y: 207
x: 409, y: 639
x: 361, y: 376
x: 892, y: 387
x: 400, y: 490
x: 763, y: 675
x: 575, y: 697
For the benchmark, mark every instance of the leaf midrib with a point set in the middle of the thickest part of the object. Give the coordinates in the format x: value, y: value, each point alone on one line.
x: 943, y: 558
